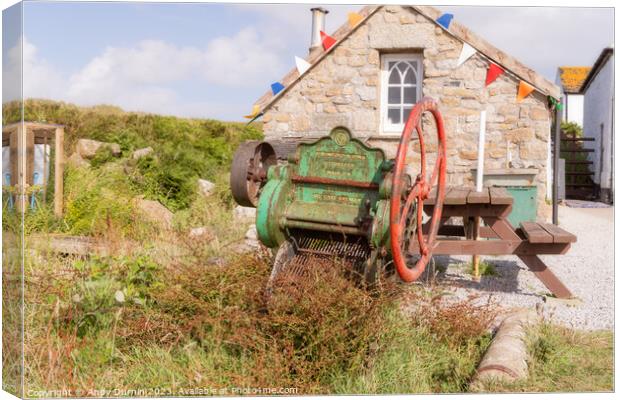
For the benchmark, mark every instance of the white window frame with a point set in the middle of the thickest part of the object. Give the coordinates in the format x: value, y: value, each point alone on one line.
x: 388, y: 128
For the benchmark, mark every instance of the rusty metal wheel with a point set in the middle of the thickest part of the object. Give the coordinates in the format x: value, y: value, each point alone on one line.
x: 248, y: 171
x: 400, y: 213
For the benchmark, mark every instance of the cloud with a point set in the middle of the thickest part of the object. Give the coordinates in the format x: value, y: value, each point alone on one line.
x: 42, y: 78
x: 543, y: 38
x: 222, y: 77
x: 144, y: 76
x: 294, y: 21
x: 240, y: 60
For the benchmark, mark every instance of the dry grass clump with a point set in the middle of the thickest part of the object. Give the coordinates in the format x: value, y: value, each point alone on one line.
x: 300, y: 336
x: 458, y: 321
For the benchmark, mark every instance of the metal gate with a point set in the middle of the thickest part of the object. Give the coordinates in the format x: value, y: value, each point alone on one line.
x: 578, y: 176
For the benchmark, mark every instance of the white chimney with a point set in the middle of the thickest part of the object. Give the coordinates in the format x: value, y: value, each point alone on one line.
x: 318, y: 25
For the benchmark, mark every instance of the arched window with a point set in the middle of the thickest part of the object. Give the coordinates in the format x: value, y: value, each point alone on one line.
x: 401, y: 88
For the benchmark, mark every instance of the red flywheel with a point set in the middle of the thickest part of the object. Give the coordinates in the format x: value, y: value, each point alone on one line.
x: 416, y: 192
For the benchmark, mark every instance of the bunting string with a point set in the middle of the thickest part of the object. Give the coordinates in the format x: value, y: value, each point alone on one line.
x: 467, y: 51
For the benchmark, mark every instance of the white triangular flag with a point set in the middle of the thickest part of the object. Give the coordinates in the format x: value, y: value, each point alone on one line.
x: 302, y: 65
x: 466, y: 52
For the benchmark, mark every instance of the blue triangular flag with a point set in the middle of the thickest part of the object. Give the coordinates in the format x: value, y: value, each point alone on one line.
x: 276, y: 88
x: 445, y: 20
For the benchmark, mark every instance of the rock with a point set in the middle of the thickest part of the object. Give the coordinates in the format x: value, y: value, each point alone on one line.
x: 119, y: 296
x: 251, y: 233
x: 87, y: 148
x: 218, y: 261
x: 77, y: 161
x: 251, y: 238
x: 154, y: 211
x: 141, y: 153
x: 200, y: 233
x: 244, y: 213
x: 205, y: 187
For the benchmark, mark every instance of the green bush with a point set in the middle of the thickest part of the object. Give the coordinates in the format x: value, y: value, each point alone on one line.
x: 98, y: 201
x: 183, y: 149
x: 107, y: 284
x: 572, y: 127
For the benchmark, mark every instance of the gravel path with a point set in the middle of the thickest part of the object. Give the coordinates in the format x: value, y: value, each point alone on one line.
x: 587, y: 270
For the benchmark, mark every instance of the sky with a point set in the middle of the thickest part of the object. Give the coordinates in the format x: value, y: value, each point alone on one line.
x: 214, y: 60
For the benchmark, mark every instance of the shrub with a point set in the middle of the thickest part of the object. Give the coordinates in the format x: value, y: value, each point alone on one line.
x: 98, y: 201
x: 572, y: 127
x: 184, y: 149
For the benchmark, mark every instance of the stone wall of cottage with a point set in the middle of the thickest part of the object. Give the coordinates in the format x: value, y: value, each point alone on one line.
x: 344, y: 89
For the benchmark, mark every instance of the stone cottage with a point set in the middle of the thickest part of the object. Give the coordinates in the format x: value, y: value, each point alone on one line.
x: 349, y: 84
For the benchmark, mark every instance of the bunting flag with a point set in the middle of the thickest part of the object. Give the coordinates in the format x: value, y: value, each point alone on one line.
x: 276, y: 88
x: 466, y: 52
x: 524, y: 90
x: 354, y: 19
x: 302, y: 65
x: 327, y: 40
x: 255, y: 110
x: 554, y: 104
x: 492, y: 73
x: 444, y: 20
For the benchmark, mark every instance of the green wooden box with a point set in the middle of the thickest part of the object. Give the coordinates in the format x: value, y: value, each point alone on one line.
x: 524, y: 206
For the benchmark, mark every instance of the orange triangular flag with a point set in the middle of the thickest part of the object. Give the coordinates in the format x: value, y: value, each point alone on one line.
x: 354, y: 19
x: 255, y: 110
x: 524, y: 90
x: 327, y: 40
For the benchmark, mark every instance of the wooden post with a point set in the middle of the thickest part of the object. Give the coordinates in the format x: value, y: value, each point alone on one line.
x: 58, y: 171
x: 13, y: 144
x: 29, y: 135
x: 476, y: 257
x: 29, y: 179
x: 556, y: 163
x: 45, y: 143
x: 20, y: 181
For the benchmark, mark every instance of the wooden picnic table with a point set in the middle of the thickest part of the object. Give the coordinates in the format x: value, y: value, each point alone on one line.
x: 493, y: 205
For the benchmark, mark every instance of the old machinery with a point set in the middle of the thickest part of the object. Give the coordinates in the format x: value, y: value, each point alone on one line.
x: 338, y: 197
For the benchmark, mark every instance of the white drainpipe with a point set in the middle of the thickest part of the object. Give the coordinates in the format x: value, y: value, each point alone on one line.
x: 481, y: 140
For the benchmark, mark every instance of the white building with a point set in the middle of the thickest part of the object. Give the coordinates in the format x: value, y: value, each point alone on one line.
x: 598, y: 91
x: 570, y: 80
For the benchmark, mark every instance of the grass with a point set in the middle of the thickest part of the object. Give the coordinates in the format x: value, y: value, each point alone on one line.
x: 176, y: 315
x: 485, y: 268
x: 193, y: 324
x: 565, y: 360
x: 198, y: 325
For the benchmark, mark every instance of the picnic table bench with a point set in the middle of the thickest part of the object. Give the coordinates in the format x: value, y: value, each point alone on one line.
x: 493, y: 205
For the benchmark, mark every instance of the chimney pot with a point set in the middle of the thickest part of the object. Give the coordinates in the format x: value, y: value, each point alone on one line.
x: 318, y: 25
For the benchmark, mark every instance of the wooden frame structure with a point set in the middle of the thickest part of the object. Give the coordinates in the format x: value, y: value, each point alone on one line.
x: 21, y: 138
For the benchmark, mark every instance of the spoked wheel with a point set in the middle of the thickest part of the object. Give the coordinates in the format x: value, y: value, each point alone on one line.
x: 248, y: 171
x: 408, y: 200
